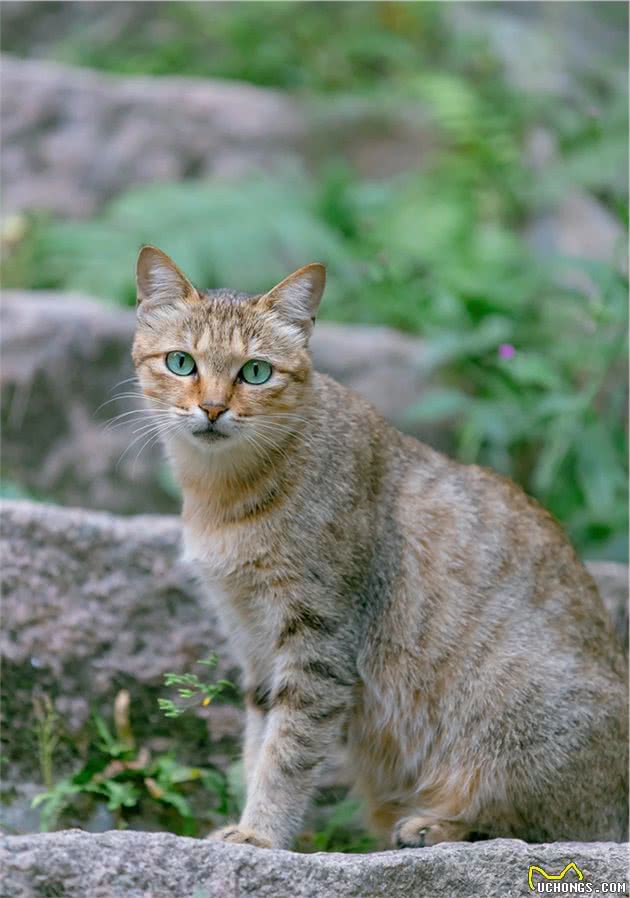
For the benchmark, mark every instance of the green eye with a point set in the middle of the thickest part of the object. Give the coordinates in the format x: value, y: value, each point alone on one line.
x: 180, y: 363
x: 256, y: 371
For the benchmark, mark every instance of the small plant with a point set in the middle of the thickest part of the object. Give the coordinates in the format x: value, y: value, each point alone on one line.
x: 128, y: 778
x: 341, y: 832
x: 192, y: 690
x: 47, y: 735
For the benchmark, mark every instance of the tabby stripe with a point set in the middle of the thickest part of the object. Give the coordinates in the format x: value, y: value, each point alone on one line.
x: 327, y: 713
x: 259, y: 697
x: 304, y: 618
x: 326, y: 671
x: 297, y: 765
x: 313, y: 707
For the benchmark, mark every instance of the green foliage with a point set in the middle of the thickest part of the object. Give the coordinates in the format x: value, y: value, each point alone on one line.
x: 341, y: 832
x: 192, y: 690
x: 305, y: 46
x: 129, y: 780
x: 9, y: 489
x: 134, y: 785
x: 552, y: 416
x: 99, y: 256
x: 47, y: 736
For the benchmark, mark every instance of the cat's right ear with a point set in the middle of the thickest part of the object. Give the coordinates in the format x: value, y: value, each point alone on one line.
x: 297, y: 297
x: 159, y: 281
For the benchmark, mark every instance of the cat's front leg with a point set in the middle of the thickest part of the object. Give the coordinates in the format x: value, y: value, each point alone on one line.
x: 303, y: 724
x: 256, y: 707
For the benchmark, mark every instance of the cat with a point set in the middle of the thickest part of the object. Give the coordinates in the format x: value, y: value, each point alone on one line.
x: 427, y: 613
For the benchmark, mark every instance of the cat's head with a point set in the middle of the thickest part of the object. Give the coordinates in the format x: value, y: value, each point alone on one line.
x: 223, y: 369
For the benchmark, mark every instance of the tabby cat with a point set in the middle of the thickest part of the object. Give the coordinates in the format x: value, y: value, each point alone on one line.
x: 428, y: 614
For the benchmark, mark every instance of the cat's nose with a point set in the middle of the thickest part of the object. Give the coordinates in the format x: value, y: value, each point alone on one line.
x: 213, y: 409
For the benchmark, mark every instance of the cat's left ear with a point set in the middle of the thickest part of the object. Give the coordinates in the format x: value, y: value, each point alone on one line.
x: 297, y: 297
x: 159, y: 281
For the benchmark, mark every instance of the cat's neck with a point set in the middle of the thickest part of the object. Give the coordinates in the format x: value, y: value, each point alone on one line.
x: 228, y: 485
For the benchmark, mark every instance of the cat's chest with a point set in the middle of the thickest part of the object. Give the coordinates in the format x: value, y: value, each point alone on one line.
x: 223, y: 552
x: 233, y: 564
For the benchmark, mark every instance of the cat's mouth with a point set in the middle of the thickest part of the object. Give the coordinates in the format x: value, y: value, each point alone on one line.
x: 209, y: 433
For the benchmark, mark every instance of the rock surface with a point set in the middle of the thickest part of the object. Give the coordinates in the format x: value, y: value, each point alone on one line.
x: 93, y: 602
x: 64, y: 356
x: 544, y: 49
x: 580, y: 227
x: 612, y: 582
x: 74, y: 138
x: 73, y: 864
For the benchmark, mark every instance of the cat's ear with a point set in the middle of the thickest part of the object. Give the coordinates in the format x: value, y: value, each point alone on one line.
x: 159, y: 281
x: 297, y: 297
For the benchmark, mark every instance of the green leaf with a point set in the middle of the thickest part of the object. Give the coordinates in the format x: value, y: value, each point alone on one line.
x: 214, y: 781
x: 106, y: 737
x: 599, y: 471
x: 178, y: 802
x: 437, y: 404
x: 54, y: 801
x: 118, y: 794
x: 533, y: 369
x: 553, y: 455
x: 449, y: 347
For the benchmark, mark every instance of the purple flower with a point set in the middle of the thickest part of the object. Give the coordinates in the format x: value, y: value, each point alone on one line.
x: 506, y: 351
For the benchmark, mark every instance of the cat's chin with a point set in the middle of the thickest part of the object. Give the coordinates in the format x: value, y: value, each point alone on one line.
x: 206, y: 442
x: 209, y: 436
x: 209, y: 440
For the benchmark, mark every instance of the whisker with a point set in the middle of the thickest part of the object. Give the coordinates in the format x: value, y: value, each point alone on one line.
x: 267, y: 442
x: 140, y: 412
x: 150, y: 425
x: 249, y: 439
x: 126, y: 381
x: 163, y: 417
x: 153, y: 438
x: 273, y: 429
x: 130, y: 395
x: 158, y: 427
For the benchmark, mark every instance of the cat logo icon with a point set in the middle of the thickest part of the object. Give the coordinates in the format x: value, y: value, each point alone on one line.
x: 556, y: 877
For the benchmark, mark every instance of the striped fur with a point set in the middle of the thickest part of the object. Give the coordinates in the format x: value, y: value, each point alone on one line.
x: 429, y: 613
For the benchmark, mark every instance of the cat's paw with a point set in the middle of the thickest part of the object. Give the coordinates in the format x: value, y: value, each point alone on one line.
x: 421, y: 832
x: 240, y: 835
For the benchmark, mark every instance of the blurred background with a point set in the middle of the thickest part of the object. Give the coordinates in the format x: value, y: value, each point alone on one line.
x: 461, y: 168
